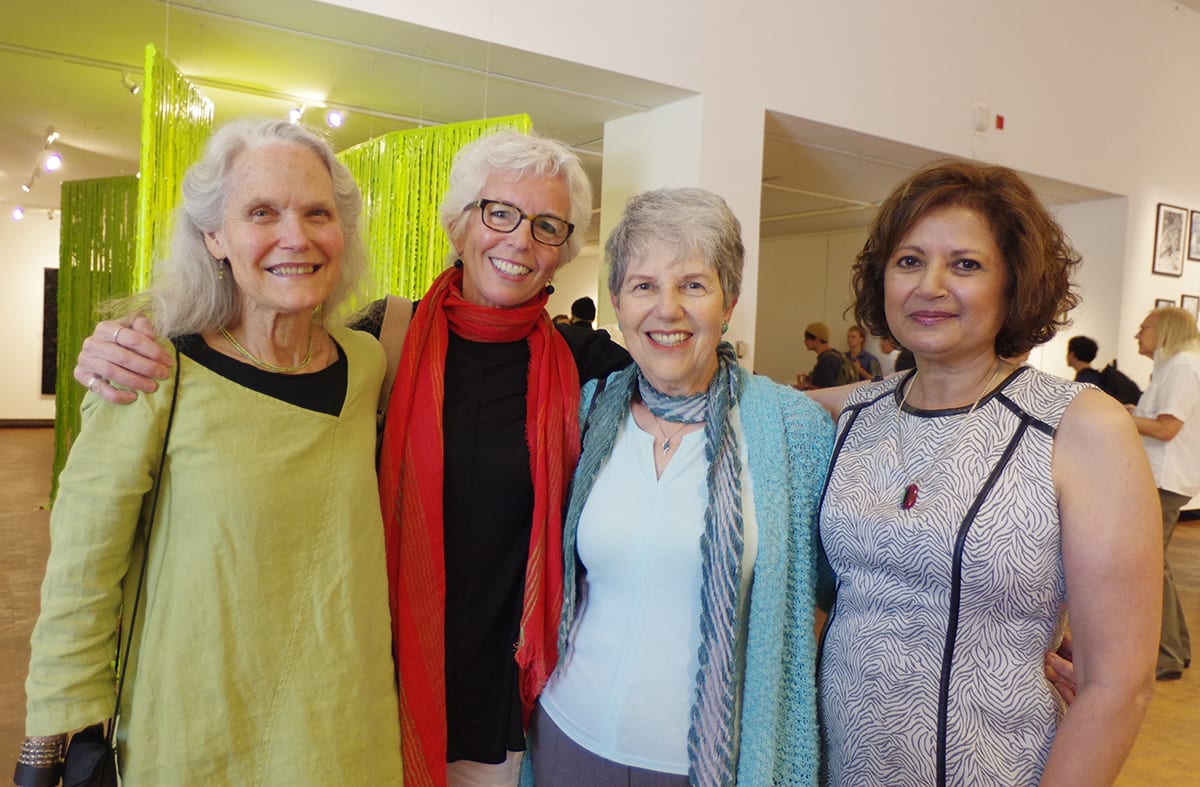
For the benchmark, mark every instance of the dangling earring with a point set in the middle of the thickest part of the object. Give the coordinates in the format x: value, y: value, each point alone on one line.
x: 221, y: 269
x: 724, y: 328
x: 549, y: 288
x: 458, y: 264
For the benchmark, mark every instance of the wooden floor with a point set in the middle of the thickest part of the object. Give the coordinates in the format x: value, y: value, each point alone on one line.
x: 1167, y: 752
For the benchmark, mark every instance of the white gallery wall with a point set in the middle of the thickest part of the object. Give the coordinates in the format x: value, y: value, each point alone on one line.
x: 27, y: 248
x: 1094, y: 92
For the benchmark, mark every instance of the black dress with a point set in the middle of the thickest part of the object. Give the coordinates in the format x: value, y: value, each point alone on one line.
x: 487, y: 500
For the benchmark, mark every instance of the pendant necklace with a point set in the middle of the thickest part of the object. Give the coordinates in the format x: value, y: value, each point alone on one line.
x: 666, y: 443
x: 242, y: 351
x: 909, y: 499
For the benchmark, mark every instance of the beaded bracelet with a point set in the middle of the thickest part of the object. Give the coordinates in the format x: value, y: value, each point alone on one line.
x: 40, y: 752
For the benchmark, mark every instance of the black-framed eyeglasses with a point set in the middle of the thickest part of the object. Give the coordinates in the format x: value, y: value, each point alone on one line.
x: 505, y: 217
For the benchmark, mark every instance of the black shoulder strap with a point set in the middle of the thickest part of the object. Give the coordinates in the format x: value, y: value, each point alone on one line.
x: 148, y: 525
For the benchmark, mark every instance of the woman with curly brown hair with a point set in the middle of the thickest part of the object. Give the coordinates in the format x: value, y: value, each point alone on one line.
x: 969, y: 501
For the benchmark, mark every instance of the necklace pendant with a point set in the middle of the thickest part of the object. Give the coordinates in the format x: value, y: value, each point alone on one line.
x: 666, y: 445
x: 910, y: 497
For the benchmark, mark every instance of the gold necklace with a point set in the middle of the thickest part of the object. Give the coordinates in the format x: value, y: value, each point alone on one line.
x: 666, y: 443
x: 242, y: 351
x: 913, y: 489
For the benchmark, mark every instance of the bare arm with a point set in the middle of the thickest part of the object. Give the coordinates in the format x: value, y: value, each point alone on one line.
x: 832, y: 399
x: 1112, y: 557
x: 123, y: 352
x: 1164, y: 427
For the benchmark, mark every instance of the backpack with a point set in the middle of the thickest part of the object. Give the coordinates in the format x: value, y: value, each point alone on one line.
x: 848, y: 372
x: 1117, y: 384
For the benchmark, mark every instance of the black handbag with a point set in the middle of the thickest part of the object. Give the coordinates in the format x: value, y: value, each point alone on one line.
x: 91, y: 759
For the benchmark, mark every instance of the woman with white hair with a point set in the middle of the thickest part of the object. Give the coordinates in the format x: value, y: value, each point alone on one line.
x: 1168, y: 418
x: 264, y: 571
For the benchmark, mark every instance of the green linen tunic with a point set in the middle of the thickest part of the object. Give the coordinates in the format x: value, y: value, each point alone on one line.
x: 263, y: 651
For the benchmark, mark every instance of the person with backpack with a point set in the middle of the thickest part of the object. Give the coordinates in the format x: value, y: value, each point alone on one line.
x: 1081, y: 351
x: 866, y: 366
x: 832, y: 367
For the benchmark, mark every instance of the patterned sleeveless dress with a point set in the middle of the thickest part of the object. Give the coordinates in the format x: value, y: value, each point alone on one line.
x: 931, y: 664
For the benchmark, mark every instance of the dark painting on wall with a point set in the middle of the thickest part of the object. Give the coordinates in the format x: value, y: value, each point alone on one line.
x: 49, y: 330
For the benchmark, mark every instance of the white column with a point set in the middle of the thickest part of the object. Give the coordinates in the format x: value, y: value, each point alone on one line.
x: 699, y: 141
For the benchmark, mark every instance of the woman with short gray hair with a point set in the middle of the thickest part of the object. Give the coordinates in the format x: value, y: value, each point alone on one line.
x: 687, y: 650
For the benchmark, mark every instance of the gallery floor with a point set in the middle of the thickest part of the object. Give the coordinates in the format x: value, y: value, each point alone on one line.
x: 1165, y: 753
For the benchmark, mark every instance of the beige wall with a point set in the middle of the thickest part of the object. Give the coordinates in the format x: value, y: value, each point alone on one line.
x: 26, y: 248
x: 1094, y: 92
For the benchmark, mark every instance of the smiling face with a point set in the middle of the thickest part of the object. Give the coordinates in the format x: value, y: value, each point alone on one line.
x: 281, y: 232
x: 945, y: 286
x: 505, y: 270
x: 671, y: 310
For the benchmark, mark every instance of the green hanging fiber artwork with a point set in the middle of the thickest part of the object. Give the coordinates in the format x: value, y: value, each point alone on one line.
x: 112, y: 228
x: 403, y: 176
x: 97, y: 246
x: 176, y: 122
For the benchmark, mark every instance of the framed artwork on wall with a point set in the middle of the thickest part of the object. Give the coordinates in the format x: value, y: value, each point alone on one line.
x: 1162, y: 302
x: 1169, y: 239
x: 1191, y: 303
x: 1194, y: 237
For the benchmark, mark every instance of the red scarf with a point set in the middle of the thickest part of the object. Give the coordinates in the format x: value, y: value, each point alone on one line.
x: 410, y: 489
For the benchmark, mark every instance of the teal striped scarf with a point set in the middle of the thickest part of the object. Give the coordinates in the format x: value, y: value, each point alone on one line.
x: 712, y: 740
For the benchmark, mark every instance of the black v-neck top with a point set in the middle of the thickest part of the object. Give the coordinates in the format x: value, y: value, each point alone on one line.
x: 322, y: 391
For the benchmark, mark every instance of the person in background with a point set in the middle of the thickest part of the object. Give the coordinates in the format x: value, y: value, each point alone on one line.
x: 1081, y: 351
x: 826, y: 372
x: 562, y: 319
x: 905, y: 360
x: 266, y: 577
x: 480, y: 440
x: 687, y: 639
x: 888, y: 353
x: 594, y: 346
x: 583, y: 311
x: 865, y: 364
x: 996, y: 494
x: 1168, y: 419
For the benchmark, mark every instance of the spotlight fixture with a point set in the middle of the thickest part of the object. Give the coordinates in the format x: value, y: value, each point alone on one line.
x: 47, y: 159
x: 295, y: 113
x: 18, y: 213
x: 335, y: 118
x: 133, y: 87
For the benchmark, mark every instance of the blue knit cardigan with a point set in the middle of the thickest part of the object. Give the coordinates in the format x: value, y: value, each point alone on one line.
x: 789, y: 439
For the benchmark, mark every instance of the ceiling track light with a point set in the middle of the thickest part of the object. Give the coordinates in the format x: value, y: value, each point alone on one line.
x: 296, y: 113
x: 48, y: 160
x: 335, y: 118
x: 18, y: 213
x: 133, y: 87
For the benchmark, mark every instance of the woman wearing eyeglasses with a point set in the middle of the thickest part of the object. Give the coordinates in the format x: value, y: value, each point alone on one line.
x: 480, y: 441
